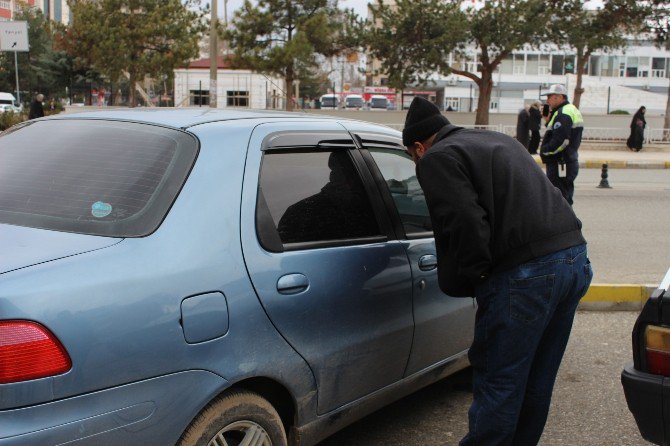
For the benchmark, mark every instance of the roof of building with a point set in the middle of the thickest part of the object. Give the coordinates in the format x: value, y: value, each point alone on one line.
x: 222, y: 62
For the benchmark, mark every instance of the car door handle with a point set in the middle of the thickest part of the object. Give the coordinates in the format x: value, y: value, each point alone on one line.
x: 292, y: 284
x: 428, y: 262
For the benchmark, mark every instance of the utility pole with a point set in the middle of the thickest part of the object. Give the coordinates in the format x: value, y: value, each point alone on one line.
x: 213, y: 54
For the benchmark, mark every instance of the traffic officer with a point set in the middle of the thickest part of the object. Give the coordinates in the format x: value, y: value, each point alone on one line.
x: 561, y: 141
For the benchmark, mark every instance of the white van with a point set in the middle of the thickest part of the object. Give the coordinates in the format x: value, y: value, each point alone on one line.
x: 378, y: 102
x: 9, y: 99
x: 329, y: 101
x: 354, y: 101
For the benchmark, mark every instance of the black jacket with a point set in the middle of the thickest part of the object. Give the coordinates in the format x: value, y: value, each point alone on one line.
x: 36, y: 110
x: 491, y: 206
x: 535, y: 121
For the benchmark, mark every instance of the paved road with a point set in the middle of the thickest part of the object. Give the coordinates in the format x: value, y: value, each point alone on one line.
x: 588, y: 408
x: 626, y: 226
x: 628, y: 242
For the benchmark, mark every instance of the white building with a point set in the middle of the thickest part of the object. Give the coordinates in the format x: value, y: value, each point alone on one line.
x: 56, y: 10
x: 620, y: 80
x: 235, y: 88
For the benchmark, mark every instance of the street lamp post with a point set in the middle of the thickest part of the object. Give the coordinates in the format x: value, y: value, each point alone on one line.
x: 213, y: 56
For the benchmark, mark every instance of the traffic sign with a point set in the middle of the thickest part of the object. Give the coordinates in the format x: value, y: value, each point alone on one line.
x: 14, y: 36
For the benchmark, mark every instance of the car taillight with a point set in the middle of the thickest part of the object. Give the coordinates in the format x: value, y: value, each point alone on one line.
x: 657, y: 345
x: 29, y: 351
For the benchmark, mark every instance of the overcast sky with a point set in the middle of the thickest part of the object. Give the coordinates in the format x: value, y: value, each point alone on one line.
x: 360, y: 6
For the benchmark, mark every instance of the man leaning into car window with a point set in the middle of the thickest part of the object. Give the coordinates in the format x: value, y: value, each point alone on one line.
x: 521, y: 255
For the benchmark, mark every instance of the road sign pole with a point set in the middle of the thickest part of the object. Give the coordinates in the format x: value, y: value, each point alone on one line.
x: 16, y: 67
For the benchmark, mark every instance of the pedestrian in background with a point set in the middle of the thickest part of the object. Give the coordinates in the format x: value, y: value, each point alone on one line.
x: 37, y: 107
x: 534, y: 123
x: 561, y: 141
x: 637, y: 126
x: 522, y: 127
x: 521, y: 255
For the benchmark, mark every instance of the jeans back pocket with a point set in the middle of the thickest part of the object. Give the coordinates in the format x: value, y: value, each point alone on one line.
x: 530, y: 298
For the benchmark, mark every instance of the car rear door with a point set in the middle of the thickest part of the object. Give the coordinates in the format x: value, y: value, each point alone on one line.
x: 444, y: 325
x: 320, y: 252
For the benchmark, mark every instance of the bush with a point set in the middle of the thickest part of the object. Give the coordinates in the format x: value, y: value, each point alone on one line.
x: 8, y: 119
x: 619, y: 112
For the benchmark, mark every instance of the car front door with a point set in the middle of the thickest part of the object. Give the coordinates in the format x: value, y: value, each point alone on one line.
x: 444, y: 325
x: 320, y: 252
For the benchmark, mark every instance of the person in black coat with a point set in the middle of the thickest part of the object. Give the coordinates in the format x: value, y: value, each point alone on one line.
x: 534, y: 124
x: 637, y: 126
x: 506, y: 236
x: 522, y: 127
x: 36, y: 107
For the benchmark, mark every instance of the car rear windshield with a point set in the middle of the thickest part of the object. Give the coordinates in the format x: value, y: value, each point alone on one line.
x: 96, y: 177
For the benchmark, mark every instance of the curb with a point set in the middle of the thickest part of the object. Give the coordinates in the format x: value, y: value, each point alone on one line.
x: 618, y: 164
x: 614, y: 297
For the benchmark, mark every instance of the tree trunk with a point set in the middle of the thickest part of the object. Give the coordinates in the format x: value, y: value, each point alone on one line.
x: 288, y: 88
x: 581, y: 62
x: 132, y: 99
x: 485, y: 88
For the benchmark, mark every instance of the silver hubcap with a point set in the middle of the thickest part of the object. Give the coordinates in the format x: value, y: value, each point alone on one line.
x: 241, y: 433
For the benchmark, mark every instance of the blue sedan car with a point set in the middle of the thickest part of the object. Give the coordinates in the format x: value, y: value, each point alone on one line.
x: 200, y: 277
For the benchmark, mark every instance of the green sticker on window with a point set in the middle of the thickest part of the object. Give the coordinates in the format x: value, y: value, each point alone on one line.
x: 100, y: 209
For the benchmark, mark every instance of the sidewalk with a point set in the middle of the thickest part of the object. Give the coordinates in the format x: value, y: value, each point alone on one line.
x: 616, y: 155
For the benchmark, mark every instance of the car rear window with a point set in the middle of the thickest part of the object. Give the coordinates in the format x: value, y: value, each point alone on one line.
x: 96, y: 177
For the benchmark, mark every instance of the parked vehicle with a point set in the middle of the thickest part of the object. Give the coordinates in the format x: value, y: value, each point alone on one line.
x: 354, y: 101
x: 645, y: 380
x: 8, y: 99
x: 329, y: 101
x: 176, y: 276
x: 378, y: 102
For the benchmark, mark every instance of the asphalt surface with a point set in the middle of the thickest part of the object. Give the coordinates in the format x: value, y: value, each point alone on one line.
x: 626, y: 228
x: 588, y: 406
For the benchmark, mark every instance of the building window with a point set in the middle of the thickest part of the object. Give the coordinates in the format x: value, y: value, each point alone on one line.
x: 532, y: 64
x: 544, y: 65
x: 237, y: 98
x: 658, y: 67
x: 199, y: 97
x: 507, y: 64
x: 5, y: 4
x: 631, y: 66
x: 557, y: 65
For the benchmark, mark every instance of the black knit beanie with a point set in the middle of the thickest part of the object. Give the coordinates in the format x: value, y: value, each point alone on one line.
x: 423, y: 120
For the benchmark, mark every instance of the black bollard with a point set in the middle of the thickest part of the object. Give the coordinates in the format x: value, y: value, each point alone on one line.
x: 604, y: 184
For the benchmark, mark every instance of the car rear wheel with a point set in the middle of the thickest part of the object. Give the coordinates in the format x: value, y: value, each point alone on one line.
x: 238, y: 418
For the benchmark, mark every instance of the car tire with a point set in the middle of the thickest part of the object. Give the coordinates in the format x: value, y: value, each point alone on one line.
x: 236, y: 416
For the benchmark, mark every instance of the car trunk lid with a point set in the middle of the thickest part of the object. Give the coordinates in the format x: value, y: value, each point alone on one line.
x: 22, y: 247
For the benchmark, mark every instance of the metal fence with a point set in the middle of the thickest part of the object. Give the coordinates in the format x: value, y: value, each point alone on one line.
x: 593, y: 134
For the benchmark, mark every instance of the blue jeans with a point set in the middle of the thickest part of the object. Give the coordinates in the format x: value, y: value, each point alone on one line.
x: 523, y: 323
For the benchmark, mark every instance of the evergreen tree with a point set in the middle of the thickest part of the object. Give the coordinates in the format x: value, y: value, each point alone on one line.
x: 34, y: 73
x: 134, y: 38
x: 413, y: 38
x: 595, y: 30
x: 284, y: 37
x: 426, y: 31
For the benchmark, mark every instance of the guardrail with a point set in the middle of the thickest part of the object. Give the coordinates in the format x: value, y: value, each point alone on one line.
x: 593, y: 134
